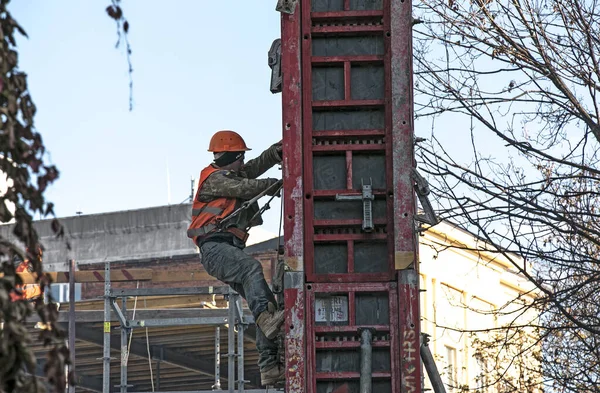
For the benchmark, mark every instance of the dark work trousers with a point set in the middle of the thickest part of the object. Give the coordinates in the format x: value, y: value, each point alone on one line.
x: 245, y: 275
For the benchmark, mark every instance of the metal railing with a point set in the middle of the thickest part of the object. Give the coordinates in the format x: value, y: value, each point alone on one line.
x: 236, y: 320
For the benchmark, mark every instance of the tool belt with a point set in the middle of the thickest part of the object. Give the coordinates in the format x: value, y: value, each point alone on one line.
x: 239, y: 233
x: 212, y: 234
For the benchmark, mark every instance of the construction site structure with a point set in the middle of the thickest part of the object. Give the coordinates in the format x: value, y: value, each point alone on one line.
x: 348, y: 275
x: 351, y: 282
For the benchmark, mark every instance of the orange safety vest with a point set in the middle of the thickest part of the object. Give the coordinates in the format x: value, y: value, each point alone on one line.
x: 206, y: 215
x: 27, y: 291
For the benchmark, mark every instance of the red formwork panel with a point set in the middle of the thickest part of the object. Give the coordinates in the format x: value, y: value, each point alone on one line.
x: 347, y: 119
x: 337, y: 313
x: 352, y: 130
x: 338, y: 138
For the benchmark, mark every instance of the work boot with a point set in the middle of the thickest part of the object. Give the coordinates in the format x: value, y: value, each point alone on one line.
x: 272, y: 375
x: 269, y: 321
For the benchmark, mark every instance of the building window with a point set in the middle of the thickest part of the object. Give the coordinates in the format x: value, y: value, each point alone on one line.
x: 451, y: 370
x: 481, y: 378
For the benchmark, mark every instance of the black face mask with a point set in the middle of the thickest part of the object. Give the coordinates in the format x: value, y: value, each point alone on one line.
x: 228, y: 157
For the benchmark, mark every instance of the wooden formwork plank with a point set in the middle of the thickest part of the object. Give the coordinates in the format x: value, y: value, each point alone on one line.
x: 120, y: 275
x: 93, y: 276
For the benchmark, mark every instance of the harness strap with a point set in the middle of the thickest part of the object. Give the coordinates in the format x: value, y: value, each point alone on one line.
x: 205, y: 230
x: 207, y: 209
x: 202, y: 231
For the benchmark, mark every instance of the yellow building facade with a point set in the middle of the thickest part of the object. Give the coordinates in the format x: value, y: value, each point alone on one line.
x: 474, y: 307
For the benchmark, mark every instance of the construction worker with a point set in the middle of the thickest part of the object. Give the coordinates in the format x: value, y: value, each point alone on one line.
x: 223, y: 188
x: 28, y: 291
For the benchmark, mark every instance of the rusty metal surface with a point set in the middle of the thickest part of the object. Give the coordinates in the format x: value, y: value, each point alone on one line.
x: 292, y: 140
x: 400, y: 44
x: 293, y: 201
x: 402, y: 124
x: 295, y: 333
x: 410, y: 361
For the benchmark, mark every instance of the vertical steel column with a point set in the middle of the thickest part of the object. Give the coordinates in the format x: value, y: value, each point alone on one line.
x: 240, y: 340
x: 72, y: 321
x: 406, y: 243
x: 293, y: 201
x: 106, y: 348
x: 231, y: 345
x: 217, y: 385
x: 124, y: 349
x: 366, y: 361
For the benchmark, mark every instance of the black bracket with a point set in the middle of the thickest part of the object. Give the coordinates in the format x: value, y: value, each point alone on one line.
x: 422, y: 188
x: 367, y: 198
x: 286, y: 6
x: 275, y: 64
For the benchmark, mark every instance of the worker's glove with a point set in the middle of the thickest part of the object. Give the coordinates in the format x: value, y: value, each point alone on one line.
x: 275, y: 188
x: 279, y: 149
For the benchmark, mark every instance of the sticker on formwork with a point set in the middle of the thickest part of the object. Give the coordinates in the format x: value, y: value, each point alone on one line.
x: 210, y: 289
x: 106, y: 327
x: 403, y: 259
x: 331, y: 309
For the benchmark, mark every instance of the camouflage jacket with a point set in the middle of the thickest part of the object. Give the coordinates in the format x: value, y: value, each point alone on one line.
x: 243, y: 184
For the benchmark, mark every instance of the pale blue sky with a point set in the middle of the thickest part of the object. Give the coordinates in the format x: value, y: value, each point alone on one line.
x: 199, y: 66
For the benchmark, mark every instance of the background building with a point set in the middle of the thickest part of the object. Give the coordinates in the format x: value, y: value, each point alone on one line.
x: 470, y: 305
x: 462, y: 292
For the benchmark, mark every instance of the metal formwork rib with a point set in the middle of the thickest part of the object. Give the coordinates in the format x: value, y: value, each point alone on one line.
x: 349, y: 202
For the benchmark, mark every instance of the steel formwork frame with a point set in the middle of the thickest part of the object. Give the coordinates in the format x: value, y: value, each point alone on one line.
x: 386, y: 332
x: 235, y: 313
x: 346, y: 18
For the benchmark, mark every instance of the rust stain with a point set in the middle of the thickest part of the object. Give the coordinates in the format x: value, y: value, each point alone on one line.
x: 296, y: 242
x: 295, y: 347
x: 293, y: 263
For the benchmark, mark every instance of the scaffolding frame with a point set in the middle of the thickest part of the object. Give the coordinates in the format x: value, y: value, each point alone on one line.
x: 235, y: 314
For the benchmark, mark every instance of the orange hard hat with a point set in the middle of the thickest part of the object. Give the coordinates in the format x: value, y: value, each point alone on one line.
x: 227, y: 140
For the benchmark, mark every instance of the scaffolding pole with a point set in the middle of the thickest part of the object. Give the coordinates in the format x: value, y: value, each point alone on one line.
x: 231, y: 345
x: 106, y: 349
x: 240, y: 337
x: 217, y: 385
x: 124, y: 351
x: 71, y: 323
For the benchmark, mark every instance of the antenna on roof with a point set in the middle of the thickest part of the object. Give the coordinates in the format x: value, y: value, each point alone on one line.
x: 168, y: 183
x: 193, y: 181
